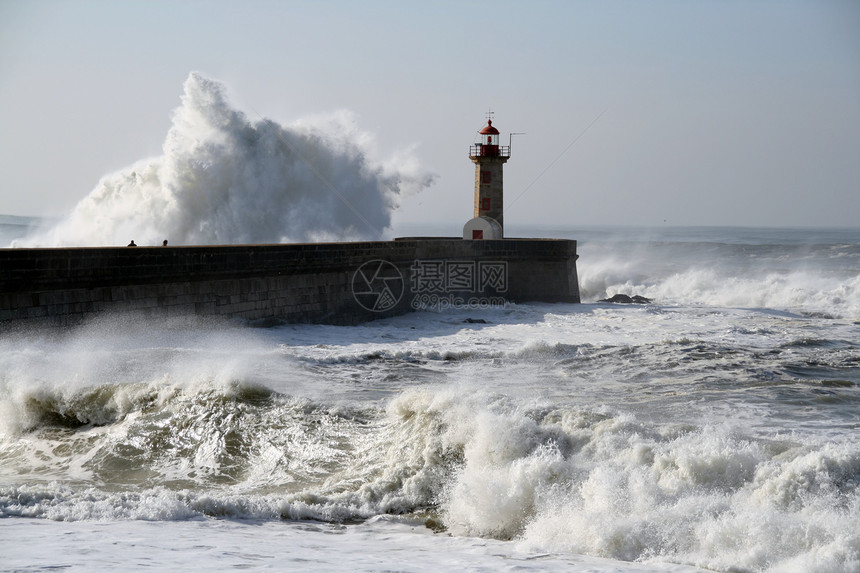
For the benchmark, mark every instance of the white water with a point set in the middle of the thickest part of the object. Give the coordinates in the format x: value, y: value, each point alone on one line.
x: 714, y: 428
x: 379, y: 545
x: 811, y: 271
x: 225, y: 178
x: 555, y: 436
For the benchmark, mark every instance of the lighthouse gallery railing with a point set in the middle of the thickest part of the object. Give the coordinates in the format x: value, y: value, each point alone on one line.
x: 479, y: 150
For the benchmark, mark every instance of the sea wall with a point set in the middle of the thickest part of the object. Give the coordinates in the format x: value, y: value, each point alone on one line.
x: 337, y: 283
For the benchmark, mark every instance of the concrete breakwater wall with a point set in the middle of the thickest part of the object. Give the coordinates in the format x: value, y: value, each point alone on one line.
x: 337, y: 283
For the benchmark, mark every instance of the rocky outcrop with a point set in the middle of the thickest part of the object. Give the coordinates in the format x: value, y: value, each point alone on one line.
x: 626, y: 299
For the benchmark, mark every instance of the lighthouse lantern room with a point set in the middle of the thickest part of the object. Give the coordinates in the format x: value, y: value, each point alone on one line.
x: 489, y: 157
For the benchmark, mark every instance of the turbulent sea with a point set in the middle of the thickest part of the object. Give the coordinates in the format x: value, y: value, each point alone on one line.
x: 713, y: 429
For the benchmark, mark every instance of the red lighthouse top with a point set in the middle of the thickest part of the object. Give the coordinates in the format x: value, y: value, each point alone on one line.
x: 489, y: 130
x: 488, y: 143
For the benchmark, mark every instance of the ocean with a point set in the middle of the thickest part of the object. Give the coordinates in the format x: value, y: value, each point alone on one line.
x: 714, y: 428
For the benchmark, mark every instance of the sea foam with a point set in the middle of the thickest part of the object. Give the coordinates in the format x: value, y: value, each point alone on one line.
x: 807, y: 279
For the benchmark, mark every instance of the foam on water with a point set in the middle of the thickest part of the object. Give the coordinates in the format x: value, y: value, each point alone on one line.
x: 631, y: 433
x: 819, y: 278
x: 555, y: 479
x: 383, y: 544
x: 224, y: 178
x: 713, y: 428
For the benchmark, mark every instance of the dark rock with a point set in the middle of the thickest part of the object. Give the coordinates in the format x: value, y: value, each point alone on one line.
x: 475, y: 321
x: 626, y: 299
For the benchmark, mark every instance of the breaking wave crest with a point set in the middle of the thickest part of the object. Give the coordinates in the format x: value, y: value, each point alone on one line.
x: 474, y: 463
x: 811, y: 279
x: 226, y: 179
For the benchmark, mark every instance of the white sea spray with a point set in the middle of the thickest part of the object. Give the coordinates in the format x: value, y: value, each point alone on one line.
x: 227, y: 178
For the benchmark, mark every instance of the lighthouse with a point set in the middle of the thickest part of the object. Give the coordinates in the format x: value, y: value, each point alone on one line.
x: 489, y: 158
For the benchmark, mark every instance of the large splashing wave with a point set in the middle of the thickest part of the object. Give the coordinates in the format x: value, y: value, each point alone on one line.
x: 226, y: 179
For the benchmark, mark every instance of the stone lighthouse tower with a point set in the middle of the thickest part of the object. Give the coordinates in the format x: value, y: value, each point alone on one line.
x: 489, y: 157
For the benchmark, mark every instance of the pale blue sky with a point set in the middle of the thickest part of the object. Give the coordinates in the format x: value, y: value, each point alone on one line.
x: 714, y: 113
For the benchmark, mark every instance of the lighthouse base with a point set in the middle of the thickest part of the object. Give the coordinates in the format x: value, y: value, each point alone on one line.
x: 482, y: 228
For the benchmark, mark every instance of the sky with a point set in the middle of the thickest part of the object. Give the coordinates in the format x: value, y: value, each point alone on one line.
x: 640, y: 113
